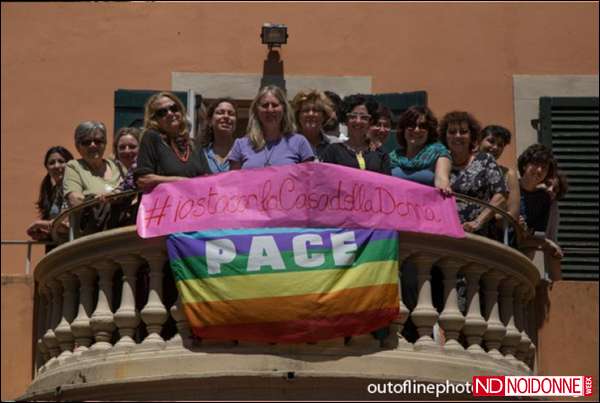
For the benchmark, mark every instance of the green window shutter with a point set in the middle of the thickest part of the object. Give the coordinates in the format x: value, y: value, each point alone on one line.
x: 129, y: 106
x: 569, y: 126
x: 398, y: 102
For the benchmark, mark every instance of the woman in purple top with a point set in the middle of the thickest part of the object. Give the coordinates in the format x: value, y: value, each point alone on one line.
x: 270, y: 139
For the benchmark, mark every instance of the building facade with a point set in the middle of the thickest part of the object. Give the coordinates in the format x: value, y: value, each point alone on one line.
x: 62, y: 63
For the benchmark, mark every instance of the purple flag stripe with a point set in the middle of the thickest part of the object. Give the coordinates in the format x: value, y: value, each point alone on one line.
x: 190, y: 247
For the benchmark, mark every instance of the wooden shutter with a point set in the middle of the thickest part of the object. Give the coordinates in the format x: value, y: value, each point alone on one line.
x: 129, y: 106
x: 398, y: 102
x: 569, y: 126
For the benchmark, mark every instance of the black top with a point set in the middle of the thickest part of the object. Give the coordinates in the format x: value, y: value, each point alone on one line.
x: 156, y: 157
x: 338, y: 153
x: 535, y: 208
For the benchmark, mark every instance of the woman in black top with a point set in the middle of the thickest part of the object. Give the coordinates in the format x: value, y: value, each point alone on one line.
x: 167, y: 153
x: 356, y: 153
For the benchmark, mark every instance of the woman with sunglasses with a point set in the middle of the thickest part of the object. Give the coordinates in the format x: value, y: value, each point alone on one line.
x: 271, y: 139
x: 419, y: 156
x: 92, y: 175
x: 50, y: 201
x: 166, y: 152
x: 355, y: 152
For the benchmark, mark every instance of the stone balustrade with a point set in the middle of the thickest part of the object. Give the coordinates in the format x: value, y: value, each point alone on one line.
x: 109, y: 326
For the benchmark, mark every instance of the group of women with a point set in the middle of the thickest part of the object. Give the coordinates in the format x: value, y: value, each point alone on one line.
x: 454, y: 155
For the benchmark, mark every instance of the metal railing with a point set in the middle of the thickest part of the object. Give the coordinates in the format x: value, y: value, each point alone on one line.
x: 523, y: 240
x: 29, y: 243
x: 73, y: 214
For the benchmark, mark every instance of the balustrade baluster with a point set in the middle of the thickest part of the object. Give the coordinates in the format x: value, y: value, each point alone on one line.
x: 127, y: 317
x: 475, y: 325
x: 49, y: 338
x: 520, y: 304
x: 424, y: 315
x: 44, y: 320
x: 81, y: 328
x: 495, y: 331
x: 102, y: 321
x: 63, y: 330
x: 154, y: 314
x: 183, y: 337
x: 512, y: 337
x: 395, y: 338
x: 531, y: 329
x: 451, y: 319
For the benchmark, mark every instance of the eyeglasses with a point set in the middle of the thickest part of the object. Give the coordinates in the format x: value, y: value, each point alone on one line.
x: 360, y: 116
x: 162, y: 112
x: 88, y: 142
x: 461, y: 131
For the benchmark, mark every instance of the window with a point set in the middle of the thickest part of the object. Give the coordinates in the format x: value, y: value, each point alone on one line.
x: 569, y: 126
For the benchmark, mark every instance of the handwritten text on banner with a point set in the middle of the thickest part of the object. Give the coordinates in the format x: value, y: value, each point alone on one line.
x: 302, y: 195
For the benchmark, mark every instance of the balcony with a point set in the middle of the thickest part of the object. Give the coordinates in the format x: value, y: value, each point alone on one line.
x: 109, y: 327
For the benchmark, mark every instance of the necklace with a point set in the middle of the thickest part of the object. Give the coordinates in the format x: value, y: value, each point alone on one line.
x: 186, y: 153
x: 269, y: 152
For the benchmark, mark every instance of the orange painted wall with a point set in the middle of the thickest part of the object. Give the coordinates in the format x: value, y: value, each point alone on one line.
x: 62, y: 62
x: 17, y: 321
x: 568, y: 338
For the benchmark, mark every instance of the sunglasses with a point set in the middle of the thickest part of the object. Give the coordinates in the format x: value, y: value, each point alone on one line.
x: 88, y: 142
x: 422, y: 126
x: 162, y: 112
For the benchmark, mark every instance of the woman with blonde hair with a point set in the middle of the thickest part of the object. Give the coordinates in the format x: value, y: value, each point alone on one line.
x: 166, y: 152
x: 312, y: 109
x: 271, y: 138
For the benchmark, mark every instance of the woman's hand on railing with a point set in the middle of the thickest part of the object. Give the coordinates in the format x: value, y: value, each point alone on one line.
x: 472, y: 226
x: 520, y: 234
x: 59, y: 227
x: 103, y: 197
x: 445, y: 190
x: 40, y: 230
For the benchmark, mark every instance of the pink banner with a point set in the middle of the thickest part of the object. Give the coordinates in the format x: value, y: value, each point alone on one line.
x: 302, y: 195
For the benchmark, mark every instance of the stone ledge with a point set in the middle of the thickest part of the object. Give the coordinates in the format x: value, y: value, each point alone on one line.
x: 103, y: 376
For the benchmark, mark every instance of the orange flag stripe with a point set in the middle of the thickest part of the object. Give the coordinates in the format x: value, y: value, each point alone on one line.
x: 291, y: 308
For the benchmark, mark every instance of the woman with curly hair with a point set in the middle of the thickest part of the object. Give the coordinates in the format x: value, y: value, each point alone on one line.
x: 540, y: 185
x: 356, y: 153
x: 473, y: 173
x: 312, y: 109
x: 536, y: 167
x: 419, y: 156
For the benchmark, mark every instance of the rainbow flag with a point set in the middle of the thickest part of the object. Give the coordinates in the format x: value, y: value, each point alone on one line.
x: 286, y: 285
